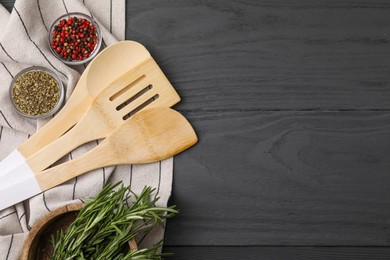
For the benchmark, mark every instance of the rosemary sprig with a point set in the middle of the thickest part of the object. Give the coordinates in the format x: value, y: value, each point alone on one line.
x: 105, y: 224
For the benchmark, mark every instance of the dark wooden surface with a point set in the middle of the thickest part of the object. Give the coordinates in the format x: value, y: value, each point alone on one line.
x: 291, y: 102
x: 278, y: 253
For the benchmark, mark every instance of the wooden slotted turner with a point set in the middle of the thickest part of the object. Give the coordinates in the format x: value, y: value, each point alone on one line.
x: 150, y: 135
x: 143, y: 87
x: 123, y: 56
x: 107, y: 66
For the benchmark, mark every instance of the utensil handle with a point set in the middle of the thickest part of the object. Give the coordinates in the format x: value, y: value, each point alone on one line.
x: 96, y: 158
x: 83, y: 132
x: 67, y: 117
x: 12, y: 160
x: 19, y: 191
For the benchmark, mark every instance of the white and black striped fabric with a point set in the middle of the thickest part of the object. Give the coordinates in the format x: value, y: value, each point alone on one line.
x: 23, y: 43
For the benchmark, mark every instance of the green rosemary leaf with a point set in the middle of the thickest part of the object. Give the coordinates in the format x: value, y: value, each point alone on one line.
x: 104, y: 226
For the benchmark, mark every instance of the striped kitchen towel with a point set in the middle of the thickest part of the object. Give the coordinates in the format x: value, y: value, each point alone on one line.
x: 23, y: 43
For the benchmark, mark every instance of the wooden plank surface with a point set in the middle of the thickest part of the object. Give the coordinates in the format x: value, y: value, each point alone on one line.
x: 284, y: 178
x: 291, y: 102
x: 269, y: 54
x: 267, y: 85
x: 278, y: 253
x: 8, y: 4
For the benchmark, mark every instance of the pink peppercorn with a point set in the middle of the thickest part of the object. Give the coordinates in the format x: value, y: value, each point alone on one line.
x: 74, y: 38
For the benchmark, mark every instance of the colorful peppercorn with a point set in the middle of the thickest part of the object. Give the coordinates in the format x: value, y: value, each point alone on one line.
x: 74, y: 38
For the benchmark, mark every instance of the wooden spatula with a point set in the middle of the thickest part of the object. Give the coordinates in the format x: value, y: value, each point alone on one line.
x: 107, y: 66
x: 150, y: 135
x: 145, y: 86
x: 112, y: 62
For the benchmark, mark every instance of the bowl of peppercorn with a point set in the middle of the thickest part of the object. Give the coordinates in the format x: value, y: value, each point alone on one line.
x: 75, y: 38
x: 36, y: 92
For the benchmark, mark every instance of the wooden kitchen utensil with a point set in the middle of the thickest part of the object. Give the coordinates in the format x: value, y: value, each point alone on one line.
x: 148, y: 136
x: 112, y: 62
x: 145, y: 86
x: 107, y: 66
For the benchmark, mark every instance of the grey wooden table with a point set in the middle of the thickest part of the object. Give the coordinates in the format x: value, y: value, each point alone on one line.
x: 291, y: 101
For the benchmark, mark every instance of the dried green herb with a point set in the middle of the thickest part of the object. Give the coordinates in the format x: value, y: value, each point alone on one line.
x: 35, y: 93
x: 104, y: 226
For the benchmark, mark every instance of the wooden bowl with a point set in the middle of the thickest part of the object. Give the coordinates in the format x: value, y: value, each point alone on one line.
x: 37, y: 245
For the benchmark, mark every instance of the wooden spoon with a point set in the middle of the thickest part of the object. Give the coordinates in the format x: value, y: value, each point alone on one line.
x: 148, y: 136
x: 145, y: 86
x: 114, y: 61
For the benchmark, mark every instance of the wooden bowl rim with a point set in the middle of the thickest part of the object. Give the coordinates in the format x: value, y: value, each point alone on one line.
x: 41, y: 224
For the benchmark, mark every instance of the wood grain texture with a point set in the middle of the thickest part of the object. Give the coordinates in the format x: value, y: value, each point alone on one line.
x: 290, y: 100
x: 269, y: 55
x: 284, y: 178
x: 278, y: 253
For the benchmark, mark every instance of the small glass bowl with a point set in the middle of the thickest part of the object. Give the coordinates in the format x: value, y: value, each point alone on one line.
x: 56, y: 78
x: 92, y: 54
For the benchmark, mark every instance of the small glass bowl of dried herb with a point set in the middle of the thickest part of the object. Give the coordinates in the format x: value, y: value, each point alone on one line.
x: 37, y: 92
x: 75, y: 38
